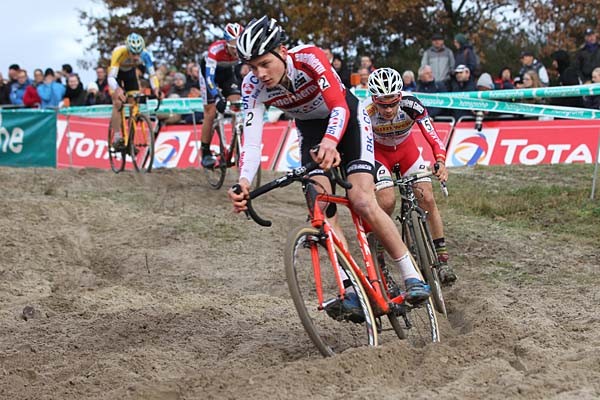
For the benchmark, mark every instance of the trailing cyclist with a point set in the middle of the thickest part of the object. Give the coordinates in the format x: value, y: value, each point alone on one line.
x: 393, y: 114
x: 220, y: 69
x: 302, y: 82
x: 122, y: 78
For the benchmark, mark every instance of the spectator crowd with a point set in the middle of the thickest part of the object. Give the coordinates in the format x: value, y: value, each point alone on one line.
x: 442, y: 69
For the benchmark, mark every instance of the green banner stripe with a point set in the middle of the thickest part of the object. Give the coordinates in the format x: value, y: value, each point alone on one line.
x: 557, y: 91
x: 447, y: 101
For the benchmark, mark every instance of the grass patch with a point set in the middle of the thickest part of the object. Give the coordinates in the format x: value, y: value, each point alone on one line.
x: 553, y: 198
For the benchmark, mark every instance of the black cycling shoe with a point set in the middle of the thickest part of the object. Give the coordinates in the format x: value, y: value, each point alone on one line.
x: 118, y: 144
x: 348, y: 309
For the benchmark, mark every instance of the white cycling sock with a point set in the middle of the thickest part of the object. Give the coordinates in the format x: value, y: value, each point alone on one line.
x: 407, y: 268
x: 117, y: 135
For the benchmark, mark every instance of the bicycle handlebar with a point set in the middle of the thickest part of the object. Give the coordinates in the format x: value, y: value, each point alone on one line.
x: 406, y: 180
x: 297, y: 174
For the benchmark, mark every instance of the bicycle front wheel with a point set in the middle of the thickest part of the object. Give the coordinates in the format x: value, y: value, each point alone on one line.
x: 141, y: 143
x: 306, y: 258
x: 427, y: 259
x: 215, y: 176
x: 115, y: 157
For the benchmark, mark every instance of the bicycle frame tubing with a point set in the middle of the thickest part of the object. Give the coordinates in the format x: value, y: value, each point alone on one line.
x: 236, y: 131
x: 370, y: 282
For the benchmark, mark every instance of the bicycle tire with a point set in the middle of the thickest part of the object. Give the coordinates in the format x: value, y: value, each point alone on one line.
x: 329, y: 335
x: 427, y: 259
x: 116, y: 158
x: 389, y: 285
x: 215, y: 176
x: 141, y: 143
x: 419, y: 322
x: 238, y: 153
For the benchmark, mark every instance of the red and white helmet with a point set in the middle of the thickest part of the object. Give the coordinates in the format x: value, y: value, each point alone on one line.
x: 232, y: 31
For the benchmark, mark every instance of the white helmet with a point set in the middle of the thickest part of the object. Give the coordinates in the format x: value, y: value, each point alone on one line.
x: 385, y: 82
x: 260, y: 37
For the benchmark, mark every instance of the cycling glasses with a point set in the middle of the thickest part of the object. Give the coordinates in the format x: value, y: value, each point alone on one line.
x: 382, y: 104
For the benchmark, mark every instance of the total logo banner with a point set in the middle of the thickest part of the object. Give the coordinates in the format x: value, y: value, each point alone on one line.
x: 82, y: 142
x: 524, y: 142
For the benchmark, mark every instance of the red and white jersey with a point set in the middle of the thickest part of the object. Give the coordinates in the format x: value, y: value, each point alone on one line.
x: 395, y: 132
x: 316, y: 93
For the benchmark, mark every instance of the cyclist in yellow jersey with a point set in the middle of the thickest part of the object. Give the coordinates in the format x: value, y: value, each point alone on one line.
x: 122, y: 78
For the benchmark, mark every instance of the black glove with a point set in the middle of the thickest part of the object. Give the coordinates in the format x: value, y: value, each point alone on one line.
x: 221, y: 104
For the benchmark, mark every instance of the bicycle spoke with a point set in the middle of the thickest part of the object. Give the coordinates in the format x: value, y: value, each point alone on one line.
x: 141, y: 144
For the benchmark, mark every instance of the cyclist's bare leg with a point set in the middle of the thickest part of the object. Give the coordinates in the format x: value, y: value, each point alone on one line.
x: 434, y: 218
x: 115, y: 116
x: 427, y: 203
x: 386, y: 198
x: 362, y: 198
x: 210, y: 112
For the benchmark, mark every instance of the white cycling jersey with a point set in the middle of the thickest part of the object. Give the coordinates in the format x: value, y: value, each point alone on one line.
x: 316, y: 93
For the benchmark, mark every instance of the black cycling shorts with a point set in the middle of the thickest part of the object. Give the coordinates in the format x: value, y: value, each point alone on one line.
x: 128, y: 80
x: 356, y: 146
x: 228, y: 79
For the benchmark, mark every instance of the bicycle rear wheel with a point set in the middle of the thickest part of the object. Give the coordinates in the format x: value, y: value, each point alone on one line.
x: 256, y: 181
x: 116, y: 158
x: 304, y: 248
x: 141, y: 143
x: 215, y: 176
x: 427, y: 259
x: 390, y: 288
x: 419, y: 323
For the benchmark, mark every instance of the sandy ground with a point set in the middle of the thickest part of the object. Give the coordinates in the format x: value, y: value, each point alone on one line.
x: 149, y: 287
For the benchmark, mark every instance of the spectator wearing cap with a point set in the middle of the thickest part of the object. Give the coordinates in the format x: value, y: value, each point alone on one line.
x: 504, y: 79
x: 462, y: 82
x: 50, y: 91
x: 567, y: 76
x: 588, y: 56
x: 465, y: 54
x: 94, y: 96
x: 439, y: 58
x: 518, y: 82
x: 426, y: 83
x: 485, y: 82
x: 530, y: 63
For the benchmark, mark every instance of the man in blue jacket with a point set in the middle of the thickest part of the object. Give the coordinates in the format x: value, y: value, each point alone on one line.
x: 50, y: 91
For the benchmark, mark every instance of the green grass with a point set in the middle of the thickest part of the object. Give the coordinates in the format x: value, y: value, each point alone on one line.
x: 550, y: 197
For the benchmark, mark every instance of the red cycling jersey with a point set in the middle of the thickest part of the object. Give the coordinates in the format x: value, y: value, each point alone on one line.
x: 217, y: 56
x: 316, y: 92
x: 393, y: 140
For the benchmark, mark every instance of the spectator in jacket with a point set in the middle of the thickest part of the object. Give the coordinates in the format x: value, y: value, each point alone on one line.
x: 367, y: 62
x: 50, y: 91
x: 94, y: 96
x: 4, y: 91
x: 75, y: 93
x: 465, y: 54
x: 408, y: 80
x: 102, y: 82
x: 530, y: 63
x: 531, y: 80
x: 462, y: 82
x: 504, y: 79
x: 439, y: 58
x: 567, y: 76
x: 17, y: 90
x: 588, y: 56
x: 593, y: 101
x: 427, y: 84
x: 38, y: 77
x: 13, y: 72
x: 31, y: 98
x: 341, y: 70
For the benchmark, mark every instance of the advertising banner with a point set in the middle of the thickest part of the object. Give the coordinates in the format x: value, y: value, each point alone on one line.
x: 524, y: 142
x: 82, y: 143
x: 27, y: 138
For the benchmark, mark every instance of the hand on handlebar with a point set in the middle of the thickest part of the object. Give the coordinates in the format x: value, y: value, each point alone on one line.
x: 327, y: 155
x: 440, y: 171
x: 239, y: 194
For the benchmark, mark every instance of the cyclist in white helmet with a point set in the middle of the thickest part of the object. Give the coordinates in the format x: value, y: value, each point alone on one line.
x: 302, y: 82
x: 122, y: 78
x: 393, y: 114
x: 220, y: 69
